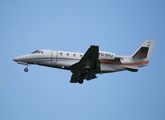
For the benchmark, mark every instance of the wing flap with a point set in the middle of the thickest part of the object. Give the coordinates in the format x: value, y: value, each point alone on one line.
x: 92, y: 76
x: 76, y: 75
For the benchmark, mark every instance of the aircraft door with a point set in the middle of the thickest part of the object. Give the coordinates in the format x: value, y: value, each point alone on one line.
x: 54, y: 56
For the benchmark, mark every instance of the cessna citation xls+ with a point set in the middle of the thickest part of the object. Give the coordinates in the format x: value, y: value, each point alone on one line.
x: 86, y: 66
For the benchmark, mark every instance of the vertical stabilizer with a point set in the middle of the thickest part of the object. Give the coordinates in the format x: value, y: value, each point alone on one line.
x: 145, y: 50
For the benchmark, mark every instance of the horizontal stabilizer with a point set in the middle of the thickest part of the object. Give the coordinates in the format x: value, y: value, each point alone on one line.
x: 132, y: 68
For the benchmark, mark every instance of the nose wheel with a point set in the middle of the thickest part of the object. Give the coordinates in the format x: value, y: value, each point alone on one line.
x: 26, y: 69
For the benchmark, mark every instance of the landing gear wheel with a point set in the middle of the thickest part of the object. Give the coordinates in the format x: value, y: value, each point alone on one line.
x: 26, y: 69
x: 80, y: 80
x: 86, y: 71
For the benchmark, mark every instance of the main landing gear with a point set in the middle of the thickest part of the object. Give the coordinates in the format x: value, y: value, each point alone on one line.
x: 80, y: 80
x: 86, y: 70
x: 82, y: 76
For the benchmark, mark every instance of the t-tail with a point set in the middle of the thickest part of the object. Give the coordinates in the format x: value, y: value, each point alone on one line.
x: 145, y: 50
x: 142, y: 56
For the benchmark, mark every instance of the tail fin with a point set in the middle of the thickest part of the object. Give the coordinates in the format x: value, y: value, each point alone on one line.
x: 145, y: 50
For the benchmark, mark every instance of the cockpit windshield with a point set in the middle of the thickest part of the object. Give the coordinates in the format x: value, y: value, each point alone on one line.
x: 35, y: 52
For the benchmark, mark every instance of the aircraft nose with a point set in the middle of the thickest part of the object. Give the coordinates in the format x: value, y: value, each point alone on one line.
x: 17, y: 58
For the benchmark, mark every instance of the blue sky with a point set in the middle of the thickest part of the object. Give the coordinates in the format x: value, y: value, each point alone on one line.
x: 115, y: 25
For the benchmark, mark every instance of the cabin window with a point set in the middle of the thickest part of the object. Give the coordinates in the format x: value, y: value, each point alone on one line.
x: 67, y: 54
x: 80, y: 55
x: 74, y: 55
x: 60, y: 53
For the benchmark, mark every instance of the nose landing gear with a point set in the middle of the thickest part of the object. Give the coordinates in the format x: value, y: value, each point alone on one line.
x: 26, y: 69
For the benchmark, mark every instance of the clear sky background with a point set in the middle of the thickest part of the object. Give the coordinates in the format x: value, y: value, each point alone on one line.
x: 117, y: 26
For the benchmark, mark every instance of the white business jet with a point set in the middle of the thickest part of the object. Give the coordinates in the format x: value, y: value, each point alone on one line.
x: 86, y: 66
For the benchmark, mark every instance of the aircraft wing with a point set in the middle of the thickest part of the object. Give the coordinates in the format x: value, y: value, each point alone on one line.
x: 90, y: 59
x: 74, y: 78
